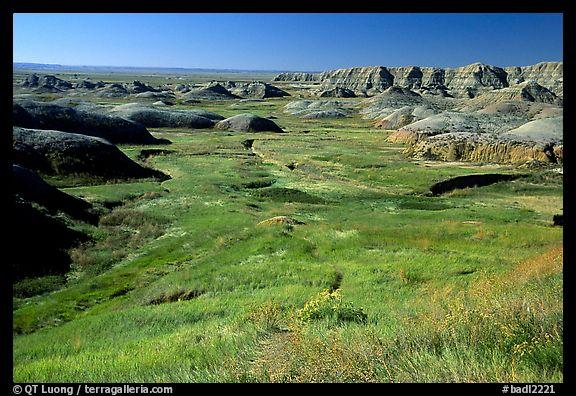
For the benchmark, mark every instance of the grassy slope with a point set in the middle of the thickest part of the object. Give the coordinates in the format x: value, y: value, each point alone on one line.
x: 463, y: 287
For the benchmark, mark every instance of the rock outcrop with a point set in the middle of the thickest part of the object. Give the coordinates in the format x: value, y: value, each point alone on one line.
x: 139, y: 87
x: 157, y: 118
x: 337, y: 92
x: 389, y: 101
x: 546, y: 74
x: 257, y: 90
x: 46, y: 83
x: 319, y: 108
x: 404, y: 116
x: 63, y: 153
x: 298, y: 76
x: 467, y: 81
x: 30, y: 187
x: 474, y: 147
x: 505, y: 132
x: 113, y: 90
x: 213, y: 91
x: 529, y: 91
x: 86, y: 84
x: 248, y: 123
x: 543, y: 130
x: 316, y: 114
x: 41, y: 115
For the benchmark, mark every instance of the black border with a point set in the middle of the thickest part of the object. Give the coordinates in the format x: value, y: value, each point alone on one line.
x: 311, y: 6
x: 292, y: 6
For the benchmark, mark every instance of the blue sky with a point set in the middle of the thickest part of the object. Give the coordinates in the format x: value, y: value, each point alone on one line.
x: 307, y: 42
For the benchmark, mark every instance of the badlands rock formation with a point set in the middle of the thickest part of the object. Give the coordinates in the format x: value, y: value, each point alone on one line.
x: 46, y: 83
x: 309, y: 109
x: 467, y: 81
x: 476, y: 113
x: 212, y: 91
x: 63, y: 153
x: 255, y: 90
x: 157, y: 118
x: 337, y: 92
x: 42, y: 115
x: 29, y: 186
x: 248, y: 123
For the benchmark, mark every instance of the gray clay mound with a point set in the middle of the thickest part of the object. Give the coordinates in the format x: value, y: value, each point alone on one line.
x: 528, y: 91
x: 210, y: 92
x: 164, y: 95
x: 62, y: 153
x: 46, y: 83
x: 206, y: 114
x: 317, y: 114
x: 337, y: 92
x: 446, y: 122
x: 258, y: 90
x: 389, y: 101
x: 522, y: 109
x: 404, y: 116
x: 312, y: 109
x: 40, y: 115
x: 544, y: 130
x: 31, y: 187
x: 138, y: 87
x: 86, y: 84
x: 157, y: 118
x: 248, y: 123
x: 113, y: 90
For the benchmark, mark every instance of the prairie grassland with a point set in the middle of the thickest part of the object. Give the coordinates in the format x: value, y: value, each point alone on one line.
x: 381, y: 283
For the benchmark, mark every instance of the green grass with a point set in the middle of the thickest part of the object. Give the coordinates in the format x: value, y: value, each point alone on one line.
x: 462, y: 287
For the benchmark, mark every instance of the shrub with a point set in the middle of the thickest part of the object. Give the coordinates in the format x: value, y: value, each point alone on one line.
x: 329, y: 305
x: 176, y: 295
x: 129, y: 218
x: 268, y: 316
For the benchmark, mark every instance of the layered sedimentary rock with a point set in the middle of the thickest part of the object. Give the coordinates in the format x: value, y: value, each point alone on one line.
x: 471, y: 147
x: 297, y: 77
x: 467, y: 81
x: 256, y: 90
x: 389, y: 101
x: 528, y: 91
x: 337, y: 92
x: 547, y: 74
x: 540, y: 140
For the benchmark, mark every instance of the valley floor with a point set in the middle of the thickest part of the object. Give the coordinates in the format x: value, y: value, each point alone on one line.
x: 381, y: 282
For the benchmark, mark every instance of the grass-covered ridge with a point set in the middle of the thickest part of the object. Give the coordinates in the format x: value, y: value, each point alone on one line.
x: 381, y: 282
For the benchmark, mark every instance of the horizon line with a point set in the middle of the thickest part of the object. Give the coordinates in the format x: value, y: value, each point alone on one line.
x: 264, y: 70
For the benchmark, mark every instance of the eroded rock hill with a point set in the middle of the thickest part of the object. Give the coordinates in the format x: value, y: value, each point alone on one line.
x: 466, y: 81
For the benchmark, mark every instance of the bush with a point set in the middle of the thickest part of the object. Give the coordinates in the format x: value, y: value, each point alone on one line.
x: 129, y: 218
x: 329, y: 305
x: 268, y: 316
